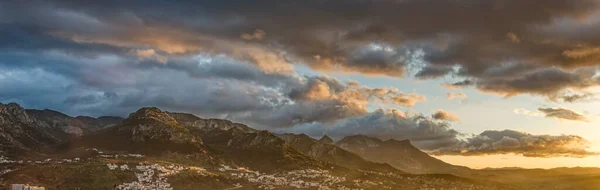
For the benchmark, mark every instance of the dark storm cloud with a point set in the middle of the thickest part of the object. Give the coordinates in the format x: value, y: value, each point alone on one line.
x: 562, y: 113
x: 370, y: 37
x: 576, y: 97
x: 431, y: 72
x: 546, y: 82
x: 208, y: 85
x: 515, y: 142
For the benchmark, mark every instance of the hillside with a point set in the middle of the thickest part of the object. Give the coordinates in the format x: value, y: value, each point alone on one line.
x: 333, y: 154
x: 259, y: 150
x: 20, y: 132
x: 76, y: 126
x: 400, y: 154
x: 148, y: 131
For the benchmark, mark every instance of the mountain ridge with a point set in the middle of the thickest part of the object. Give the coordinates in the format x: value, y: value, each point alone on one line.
x: 332, y: 154
x: 150, y: 130
x: 400, y: 154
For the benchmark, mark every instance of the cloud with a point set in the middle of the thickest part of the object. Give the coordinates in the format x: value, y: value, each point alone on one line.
x: 210, y: 59
x: 515, y: 142
x: 456, y: 96
x: 457, y: 42
x: 257, y: 35
x: 551, y: 82
x: 513, y: 37
x: 575, y: 97
x: 325, y: 88
x: 523, y: 111
x: 444, y: 115
x: 458, y: 85
x: 562, y: 113
x: 149, y: 54
x: 214, y: 86
x: 438, y: 138
x: 207, y: 85
x: 390, y: 124
x: 325, y: 99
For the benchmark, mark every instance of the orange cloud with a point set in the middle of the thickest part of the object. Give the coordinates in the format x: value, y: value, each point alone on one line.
x: 444, y: 115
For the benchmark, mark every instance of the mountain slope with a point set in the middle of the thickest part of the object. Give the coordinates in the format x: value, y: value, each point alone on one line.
x: 332, y: 154
x: 259, y: 150
x: 149, y: 131
x: 20, y: 131
x: 326, y: 140
x: 77, y: 126
x: 400, y: 154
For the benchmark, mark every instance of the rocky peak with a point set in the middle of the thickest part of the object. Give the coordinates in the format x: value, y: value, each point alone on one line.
x: 13, y: 111
x: 21, y: 130
x: 212, y: 124
x: 151, y: 114
x: 184, y: 118
x: 326, y: 139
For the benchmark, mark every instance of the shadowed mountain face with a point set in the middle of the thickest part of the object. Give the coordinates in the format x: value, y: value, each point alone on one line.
x: 332, y: 154
x: 20, y: 131
x: 400, y: 154
x: 41, y: 130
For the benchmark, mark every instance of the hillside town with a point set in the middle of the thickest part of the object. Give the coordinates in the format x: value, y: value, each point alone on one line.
x: 155, y: 176
x: 25, y: 187
x: 149, y: 176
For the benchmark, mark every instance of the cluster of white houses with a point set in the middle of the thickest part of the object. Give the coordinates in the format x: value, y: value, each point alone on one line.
x: 5, y: 160
x: 25, y: 187
x: 150, y: 176
x: 319, y: 179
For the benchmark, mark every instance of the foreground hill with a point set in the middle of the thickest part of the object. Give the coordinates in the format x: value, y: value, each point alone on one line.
x: 400, y: 154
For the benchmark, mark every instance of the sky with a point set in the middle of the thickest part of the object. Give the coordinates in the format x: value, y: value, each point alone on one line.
x: 480, y: 83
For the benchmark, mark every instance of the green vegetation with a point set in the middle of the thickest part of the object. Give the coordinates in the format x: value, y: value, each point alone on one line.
x: 93, y: 175
x: 191, y: 180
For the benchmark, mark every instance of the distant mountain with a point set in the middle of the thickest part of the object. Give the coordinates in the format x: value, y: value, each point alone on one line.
x: 400, y: 154
x: 259, y: 150
x: 20, y: 131
x: 332, y: 154
x: 148, y: 130
x: 77, y: 126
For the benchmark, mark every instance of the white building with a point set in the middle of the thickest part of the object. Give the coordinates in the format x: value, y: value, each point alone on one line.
x: 25, y: 187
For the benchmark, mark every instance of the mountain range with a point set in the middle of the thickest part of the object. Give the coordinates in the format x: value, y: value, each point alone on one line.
x: 182, y: 138
x: 153, y: 131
